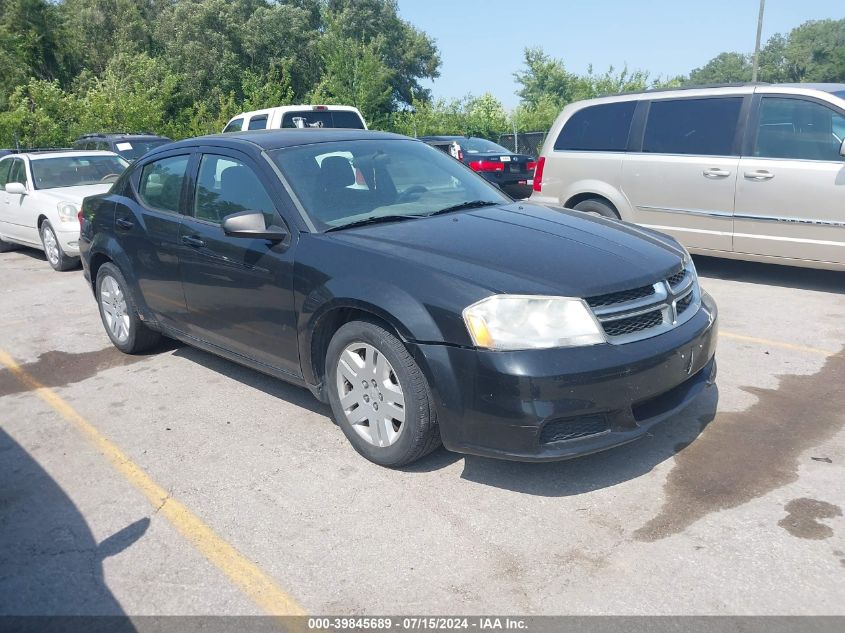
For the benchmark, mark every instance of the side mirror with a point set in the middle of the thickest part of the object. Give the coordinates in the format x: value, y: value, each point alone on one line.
x: 250, y: 224
x: 16, y: 188
x: 842, y: 149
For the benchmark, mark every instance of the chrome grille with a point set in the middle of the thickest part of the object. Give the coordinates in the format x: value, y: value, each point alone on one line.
x: 632, y: 315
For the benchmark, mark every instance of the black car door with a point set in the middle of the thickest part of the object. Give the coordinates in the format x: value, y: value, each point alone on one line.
x: 239, y: 291
x: 146, y: 222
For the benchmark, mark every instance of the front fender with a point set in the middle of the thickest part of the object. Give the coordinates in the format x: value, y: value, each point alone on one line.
x: 406, y: 313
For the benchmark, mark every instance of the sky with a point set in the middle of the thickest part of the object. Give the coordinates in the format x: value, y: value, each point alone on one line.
x: 481, y: 43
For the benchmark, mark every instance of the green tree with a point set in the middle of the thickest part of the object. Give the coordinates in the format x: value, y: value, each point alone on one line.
x: 134, y: 93
x: 29, y: 44
x: 485, y: 117
x: 355, y: 73
x: 815, y: 52
x: 724, y: 68
x: 408, y: 52
x: 40, y: 114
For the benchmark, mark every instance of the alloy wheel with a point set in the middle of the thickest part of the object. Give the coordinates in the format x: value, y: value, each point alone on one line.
x: 51, y: 245
x: 113, y: 303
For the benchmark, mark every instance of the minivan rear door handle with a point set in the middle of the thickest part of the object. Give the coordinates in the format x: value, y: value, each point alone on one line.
x: 124, y: 223
x: 715, y: 172
x: 191, y: 240
x: 760, y: 174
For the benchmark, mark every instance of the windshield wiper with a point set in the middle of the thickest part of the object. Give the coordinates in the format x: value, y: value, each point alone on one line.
x: 472, y: 204
x: 375, y: 219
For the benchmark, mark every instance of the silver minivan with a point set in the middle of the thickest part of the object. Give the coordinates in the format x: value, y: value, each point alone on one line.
x: 749, y: 172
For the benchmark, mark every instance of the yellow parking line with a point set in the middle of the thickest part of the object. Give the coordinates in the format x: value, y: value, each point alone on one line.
x: 240, y: 570
x: 783, y: 344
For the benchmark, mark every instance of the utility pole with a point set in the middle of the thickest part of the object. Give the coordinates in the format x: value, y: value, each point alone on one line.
x: 756, y: 65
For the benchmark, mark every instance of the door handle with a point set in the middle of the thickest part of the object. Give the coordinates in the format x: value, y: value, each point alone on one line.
x: 760, y: 174
x: 715, y: 172
x: 192, y: 240
x: 124, y: 223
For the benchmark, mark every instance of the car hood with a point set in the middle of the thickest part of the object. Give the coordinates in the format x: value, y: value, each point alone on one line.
x: 526, y: 248
x: 74, y: 194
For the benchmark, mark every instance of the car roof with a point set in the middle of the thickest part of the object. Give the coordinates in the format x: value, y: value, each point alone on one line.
x: 277, y: 139
x: 444, y: 137
x: 120, y: 135
x: 66, y: 154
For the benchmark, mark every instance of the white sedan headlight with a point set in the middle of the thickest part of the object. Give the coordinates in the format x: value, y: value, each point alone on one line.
x: 67, y: 211
x: 510, y: 322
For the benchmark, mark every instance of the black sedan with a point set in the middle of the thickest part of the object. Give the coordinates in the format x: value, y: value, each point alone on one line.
x: 513, y: 173
x: 397, y: 285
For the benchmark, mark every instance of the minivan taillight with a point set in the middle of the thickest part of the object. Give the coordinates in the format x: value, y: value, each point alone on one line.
x: 79, y: 217
x: 538, y: 173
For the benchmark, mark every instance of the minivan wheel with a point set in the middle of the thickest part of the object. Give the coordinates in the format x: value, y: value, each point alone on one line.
x: 379, y: 396
x: 597, y: 207
x: 53, y: 250
x: 120, y: 314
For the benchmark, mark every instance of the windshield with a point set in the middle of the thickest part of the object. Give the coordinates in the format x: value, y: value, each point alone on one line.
x: 343, y: 182
x: 71, y: 171
x: 133, y: 150
x: 481, y: 146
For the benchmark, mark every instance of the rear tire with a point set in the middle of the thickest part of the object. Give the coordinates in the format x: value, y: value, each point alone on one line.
x: 120, y: 314
x: 53, y: 250
x: 369, y: 369
x: 594, y: 206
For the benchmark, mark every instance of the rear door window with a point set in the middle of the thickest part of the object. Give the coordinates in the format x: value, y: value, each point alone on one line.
x: 703, y: 127
x: 598, y: 128
x: 258, y: 123
x: 798, y: 129
x: 161, y: 182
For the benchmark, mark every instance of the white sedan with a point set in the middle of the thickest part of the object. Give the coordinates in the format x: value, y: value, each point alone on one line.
x: 41, y: 194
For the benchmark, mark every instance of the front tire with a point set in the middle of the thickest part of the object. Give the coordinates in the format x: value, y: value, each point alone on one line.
x: 53, y: 250
x: 597, y: 207
x: 120, y: 314
x: 379, y: 396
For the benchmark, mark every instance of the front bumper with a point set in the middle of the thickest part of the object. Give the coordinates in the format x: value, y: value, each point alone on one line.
x: 542, y: 405
x: 69, y: 241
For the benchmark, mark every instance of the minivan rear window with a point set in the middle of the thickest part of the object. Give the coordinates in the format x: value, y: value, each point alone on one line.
x: 323, y: 118
x: 702, y: 127
x: 598, y: 128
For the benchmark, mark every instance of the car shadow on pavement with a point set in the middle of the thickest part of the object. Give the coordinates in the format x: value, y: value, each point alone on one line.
x: 591, y: 472
x: 51, y: 563
x: 297, y: 396
x: 771, y: 274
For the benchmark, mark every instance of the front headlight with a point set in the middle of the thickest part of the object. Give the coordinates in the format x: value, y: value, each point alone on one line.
x: 510, y: 322
x: 67, y: 211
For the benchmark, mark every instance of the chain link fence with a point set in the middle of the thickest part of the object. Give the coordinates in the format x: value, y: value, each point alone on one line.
x: 525, y: 142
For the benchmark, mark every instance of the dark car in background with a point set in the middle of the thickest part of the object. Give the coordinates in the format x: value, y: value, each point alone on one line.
x: 417, y: 299
x: 512, y: 172
x: 129, y: 146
